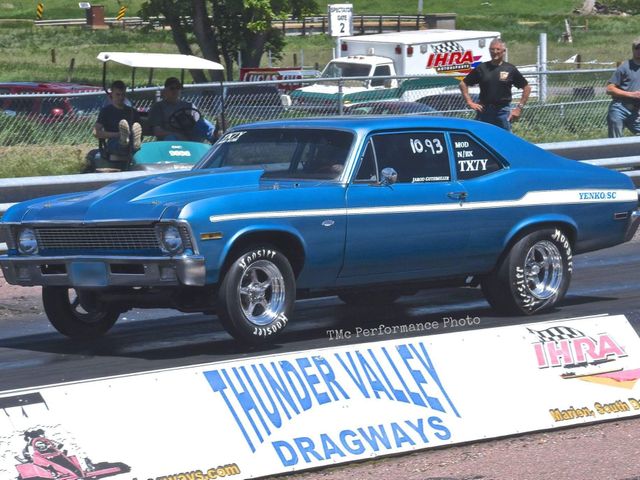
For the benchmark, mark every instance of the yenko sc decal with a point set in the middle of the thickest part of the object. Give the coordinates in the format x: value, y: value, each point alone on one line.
x: 592, y: 358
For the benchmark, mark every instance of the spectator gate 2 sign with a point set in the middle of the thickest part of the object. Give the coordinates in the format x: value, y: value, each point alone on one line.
x: 340, y: 19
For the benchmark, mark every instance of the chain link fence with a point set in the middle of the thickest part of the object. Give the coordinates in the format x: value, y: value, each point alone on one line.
x: 565, y: 105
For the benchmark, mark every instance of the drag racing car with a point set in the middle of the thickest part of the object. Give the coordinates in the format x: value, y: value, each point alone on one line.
x: 365, y: 208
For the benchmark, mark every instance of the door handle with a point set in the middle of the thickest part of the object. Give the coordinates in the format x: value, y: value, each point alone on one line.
x: 457, y: 195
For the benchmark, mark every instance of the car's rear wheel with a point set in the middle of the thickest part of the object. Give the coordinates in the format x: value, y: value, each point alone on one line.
x: 533, y: 276
x: 256, y: 295
x: 77, y: 315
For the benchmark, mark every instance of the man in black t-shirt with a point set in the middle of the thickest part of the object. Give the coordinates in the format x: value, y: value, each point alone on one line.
x: 119, y: 124
x: 496, y: 78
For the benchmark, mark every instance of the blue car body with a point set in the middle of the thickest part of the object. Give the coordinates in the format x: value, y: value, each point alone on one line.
x: 408, y: 202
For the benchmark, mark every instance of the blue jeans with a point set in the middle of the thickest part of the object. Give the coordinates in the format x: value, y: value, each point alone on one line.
x: 498, y: 116
x: 620, y: 116
x: 113, y: 146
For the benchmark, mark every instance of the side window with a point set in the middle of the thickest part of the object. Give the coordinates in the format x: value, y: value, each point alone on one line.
x: 367, y: 171
x: 417, y: 157
x: 380, y: 71
x: 472, y: 159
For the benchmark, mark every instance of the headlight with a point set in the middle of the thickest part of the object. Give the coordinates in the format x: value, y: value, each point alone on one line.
x: 27, y: 242
x: 171, y: 239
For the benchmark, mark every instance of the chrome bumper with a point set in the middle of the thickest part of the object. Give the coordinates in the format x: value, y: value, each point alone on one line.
x: 634, y: 222
x: 88, y: 271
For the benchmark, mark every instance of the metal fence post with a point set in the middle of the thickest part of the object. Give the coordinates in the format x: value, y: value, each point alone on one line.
x: 340, y: 96
x: 543, y: 68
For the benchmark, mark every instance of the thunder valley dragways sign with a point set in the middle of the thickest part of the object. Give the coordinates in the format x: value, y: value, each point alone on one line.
x: 294, y: 411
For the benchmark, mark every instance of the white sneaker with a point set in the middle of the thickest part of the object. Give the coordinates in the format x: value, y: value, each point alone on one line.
x: 137, y: 136
x: 123, y: 128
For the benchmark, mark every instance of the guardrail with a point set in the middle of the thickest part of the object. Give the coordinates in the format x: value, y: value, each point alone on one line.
x: 618, y: 154
x: 308, y: 25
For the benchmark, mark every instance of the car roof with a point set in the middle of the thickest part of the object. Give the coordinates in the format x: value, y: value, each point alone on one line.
x: 505, y: 143
x: 376, y: 122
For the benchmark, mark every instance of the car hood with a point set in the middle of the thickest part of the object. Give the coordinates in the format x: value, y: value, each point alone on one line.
x: 146, y: 198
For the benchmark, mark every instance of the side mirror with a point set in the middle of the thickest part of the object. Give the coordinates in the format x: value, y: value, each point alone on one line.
x: 389, y: 176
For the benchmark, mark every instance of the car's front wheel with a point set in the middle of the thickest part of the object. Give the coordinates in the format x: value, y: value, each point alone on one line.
x: 533, y: 276
x: 75, y: 316
x: 256, y: 295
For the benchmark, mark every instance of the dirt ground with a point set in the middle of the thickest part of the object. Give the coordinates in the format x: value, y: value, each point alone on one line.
x: 18, y: 300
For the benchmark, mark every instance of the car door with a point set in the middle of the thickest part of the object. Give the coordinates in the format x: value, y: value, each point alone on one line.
x: 413, y: 228
x: 488, y: 183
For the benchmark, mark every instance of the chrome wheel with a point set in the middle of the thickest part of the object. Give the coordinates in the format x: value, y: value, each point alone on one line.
x: 543, y: 270
x: 262, y: 292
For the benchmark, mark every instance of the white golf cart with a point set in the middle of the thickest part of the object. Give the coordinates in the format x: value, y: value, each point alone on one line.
x: 159, y: 155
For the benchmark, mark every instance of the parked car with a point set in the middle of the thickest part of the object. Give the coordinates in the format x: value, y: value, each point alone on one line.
x: 242, y: 103
x: 447, y: 102
x: 278, y: 74
x: 51, y: 108
x: 368, y: 209
x: 387, y: 108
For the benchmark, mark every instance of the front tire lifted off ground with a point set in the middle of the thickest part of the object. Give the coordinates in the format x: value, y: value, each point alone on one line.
x: 84, y: 320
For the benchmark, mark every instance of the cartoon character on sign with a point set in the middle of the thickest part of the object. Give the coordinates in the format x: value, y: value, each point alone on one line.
x: 44, y: 459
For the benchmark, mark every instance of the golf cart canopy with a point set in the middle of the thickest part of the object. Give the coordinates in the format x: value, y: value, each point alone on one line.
x: 159, y: 60
x: 153, y: 61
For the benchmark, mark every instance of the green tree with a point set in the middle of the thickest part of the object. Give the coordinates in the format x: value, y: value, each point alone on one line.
x: 222, y: 28
x: 628, y: 6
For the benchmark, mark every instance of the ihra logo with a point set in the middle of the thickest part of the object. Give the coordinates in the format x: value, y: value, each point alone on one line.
x: 570, y: 348
x: 450, y: 57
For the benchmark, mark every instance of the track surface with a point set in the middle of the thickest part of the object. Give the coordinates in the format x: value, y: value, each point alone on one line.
x: 33, y: 354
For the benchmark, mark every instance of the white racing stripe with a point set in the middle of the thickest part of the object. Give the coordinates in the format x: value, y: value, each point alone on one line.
x: 539, y: 198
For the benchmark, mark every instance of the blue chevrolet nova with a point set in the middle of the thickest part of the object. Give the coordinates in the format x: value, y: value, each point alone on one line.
x: 368, y: 208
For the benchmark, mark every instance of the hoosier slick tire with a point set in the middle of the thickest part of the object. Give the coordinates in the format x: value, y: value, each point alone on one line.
x: 256, y: 295
x: 533, y: 276
x: 69, y: 317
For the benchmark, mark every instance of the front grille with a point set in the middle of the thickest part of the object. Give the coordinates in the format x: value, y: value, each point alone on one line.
x: 97, y: 238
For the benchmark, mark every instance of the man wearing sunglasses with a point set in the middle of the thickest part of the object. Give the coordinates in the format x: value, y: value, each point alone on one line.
x: 496, y: 78
x: 164, y: 123
x: 624, y: 88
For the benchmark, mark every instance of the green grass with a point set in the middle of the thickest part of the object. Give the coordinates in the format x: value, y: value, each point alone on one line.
x: 38, y: 160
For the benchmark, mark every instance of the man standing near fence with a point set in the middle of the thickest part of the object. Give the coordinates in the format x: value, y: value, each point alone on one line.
x: 624, y: 87
x: 496, y: 77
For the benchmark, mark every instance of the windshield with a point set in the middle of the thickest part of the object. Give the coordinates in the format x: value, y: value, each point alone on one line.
x: 285, y: 154
x: 344, y: 69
